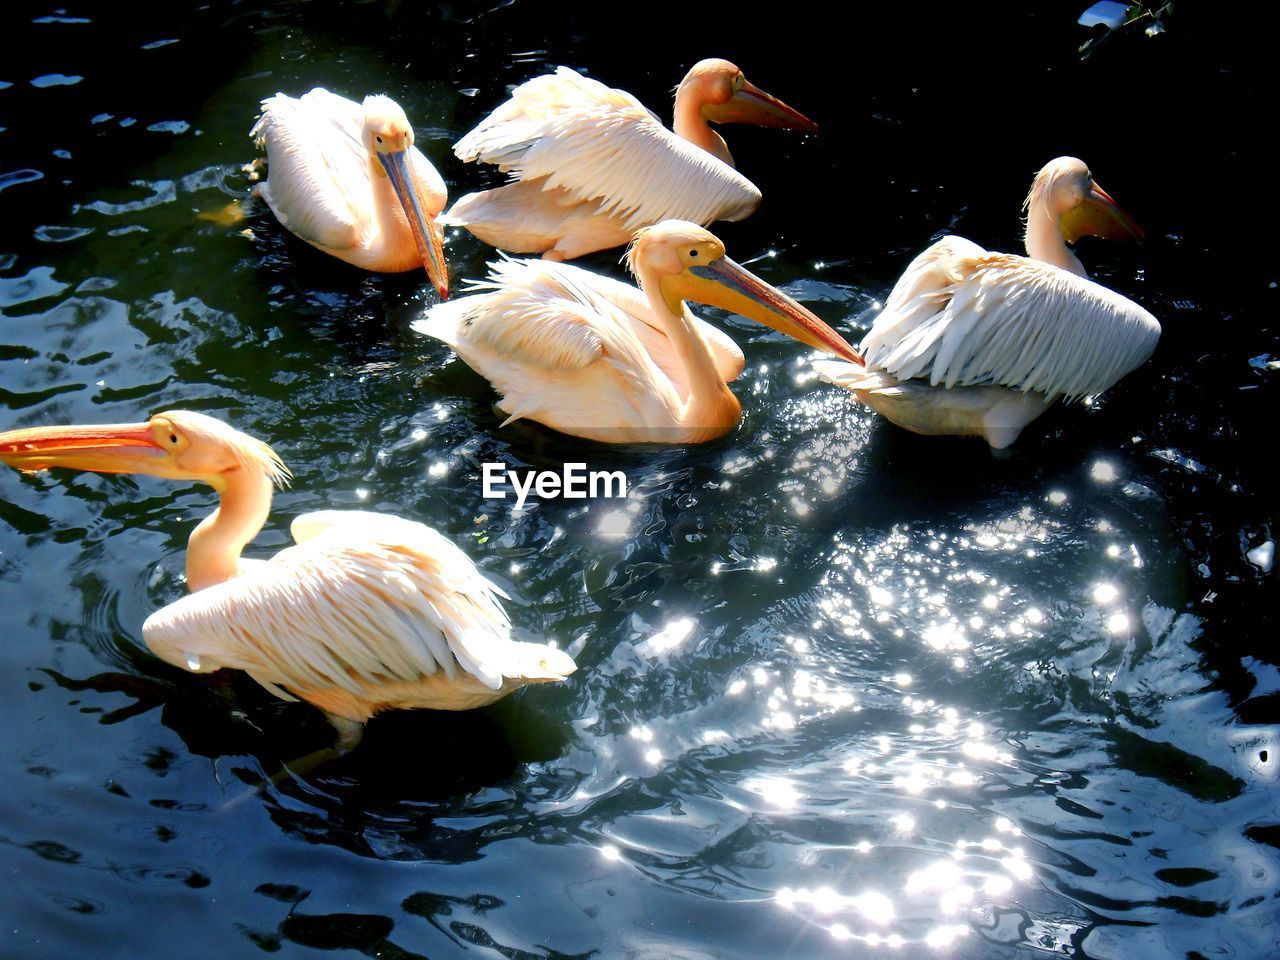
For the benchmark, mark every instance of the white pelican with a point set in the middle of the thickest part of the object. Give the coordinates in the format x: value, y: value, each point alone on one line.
x: 369, y: 612
x: 591, y: 165
x: 973, y: 343
x: 346, y: 178
x: 597, y: 358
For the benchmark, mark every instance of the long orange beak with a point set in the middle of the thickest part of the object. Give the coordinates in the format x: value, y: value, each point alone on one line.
x: 723, y: 283
x: 428, y: 235
x: 1099, y: 216
x: 752, y: 105
x: 114, y: 448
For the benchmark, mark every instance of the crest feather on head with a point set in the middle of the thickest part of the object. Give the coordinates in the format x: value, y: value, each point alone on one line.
x: 250, y: 452
x: 1048, y: 177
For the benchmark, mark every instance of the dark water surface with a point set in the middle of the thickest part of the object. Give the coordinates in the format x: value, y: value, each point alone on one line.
x: 842, y: 692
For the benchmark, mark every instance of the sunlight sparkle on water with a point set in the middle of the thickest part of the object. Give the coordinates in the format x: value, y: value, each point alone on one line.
x: 875, y: 906
x: 1105, y: 593
x: 615, y: 523
x: 780, y: 720
x: 940, y: 937
x: 671, y: 636
x: 940, y: 875
x: 872, y: 905
x: 914, y: 782
x: 981, y: 750
x: 1103, y: 472
x: 776, y: 792
x: 1020, y: 869
x: 945, y: 636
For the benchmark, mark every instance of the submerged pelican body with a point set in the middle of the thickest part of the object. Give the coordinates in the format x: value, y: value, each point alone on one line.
x: 974, y: 343
x: 597, y: 358
x: 368, y: 612
x: 346, y: 178
x: 590, y: 165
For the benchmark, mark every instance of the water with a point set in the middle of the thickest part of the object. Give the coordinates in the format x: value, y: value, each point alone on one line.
x: 842, y: 691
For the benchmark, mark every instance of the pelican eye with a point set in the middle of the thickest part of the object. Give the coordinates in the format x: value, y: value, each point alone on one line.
x: 379, y: 139
x: 173, y: 438
x: 693, y: 254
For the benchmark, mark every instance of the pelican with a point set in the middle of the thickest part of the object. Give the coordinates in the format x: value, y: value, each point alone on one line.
x: 600, y: 359
x: 591, y: 166
x: 973, y: 343
x: 369, y: 612
x: 346, y: 178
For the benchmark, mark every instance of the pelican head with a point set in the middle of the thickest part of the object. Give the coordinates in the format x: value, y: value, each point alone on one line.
x: 176, y: 445
x: 727, y: 97
x: 687, y: 262
x: 1064, y: 190
x: 389, y: 138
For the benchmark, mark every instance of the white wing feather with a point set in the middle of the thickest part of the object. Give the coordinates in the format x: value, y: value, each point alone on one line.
x: 364, y: 597
x: 312, y: 151
x: 572, y: 349
x: 960, y: 316
x: 541, y: 328
x: 557, y: 316
x: 599, y: 143
x: 318, y: 182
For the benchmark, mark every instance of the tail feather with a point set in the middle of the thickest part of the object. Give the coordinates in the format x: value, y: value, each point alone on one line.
x: 921, y: 293
x: 852, y: 376
x: 442, y: 321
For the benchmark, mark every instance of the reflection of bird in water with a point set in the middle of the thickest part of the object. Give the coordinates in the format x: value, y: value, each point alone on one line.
x: 369, y: 612
x: 596, y: 358
x: 590, y: 165
x: 346, y: 178
x: 973, y: 343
